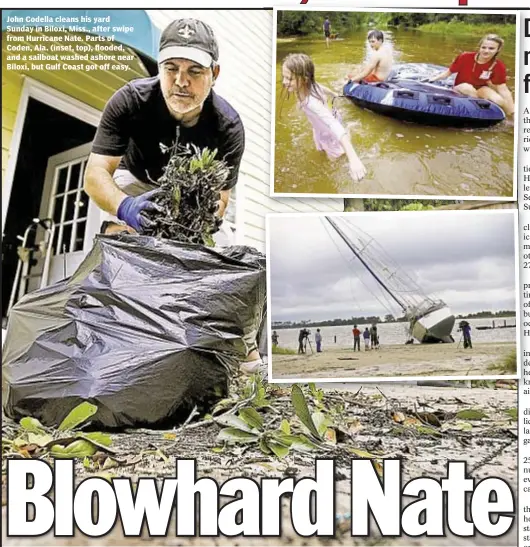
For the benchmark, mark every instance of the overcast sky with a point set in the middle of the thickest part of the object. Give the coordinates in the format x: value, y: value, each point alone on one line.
x: 466, y: 259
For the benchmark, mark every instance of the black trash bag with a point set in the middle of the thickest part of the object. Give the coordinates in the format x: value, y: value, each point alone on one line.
x: 145, y: 329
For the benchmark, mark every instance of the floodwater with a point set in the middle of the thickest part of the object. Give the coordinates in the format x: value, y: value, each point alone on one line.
x: 401, y: 158
x: 396, y: 333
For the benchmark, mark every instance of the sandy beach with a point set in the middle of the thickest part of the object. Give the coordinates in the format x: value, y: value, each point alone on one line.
x: 440, y: 360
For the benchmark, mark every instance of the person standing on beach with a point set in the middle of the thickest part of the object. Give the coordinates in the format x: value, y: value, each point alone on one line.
x: 356, y: 338
x: 374, y: 339
x: 274, y: 338
x: 366, y: 337
x: 326, y: 27
x: 318, y: 341
x: 466, y: 331
x: 301, y: 341
x: 303, y: 336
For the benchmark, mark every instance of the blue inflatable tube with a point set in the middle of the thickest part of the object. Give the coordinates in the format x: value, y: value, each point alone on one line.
x: 407, y: 98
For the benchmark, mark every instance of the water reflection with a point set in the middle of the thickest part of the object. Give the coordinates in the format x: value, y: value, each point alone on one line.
x: 402, y: 158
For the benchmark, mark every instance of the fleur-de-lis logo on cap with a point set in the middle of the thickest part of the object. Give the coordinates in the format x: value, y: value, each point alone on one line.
x: 186, y: 32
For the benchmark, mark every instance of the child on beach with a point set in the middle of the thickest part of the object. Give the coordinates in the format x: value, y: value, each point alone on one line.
x: 298, y: 76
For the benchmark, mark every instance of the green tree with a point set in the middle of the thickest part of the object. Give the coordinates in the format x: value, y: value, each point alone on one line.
x: 310, y: 22
x: 404, y: 204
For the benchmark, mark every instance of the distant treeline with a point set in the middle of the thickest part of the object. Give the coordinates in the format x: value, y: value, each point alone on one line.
x: 335, y: 322
x: 502, y: 313
x: 389, y: 318
x: 308, y: 22
x: 404, y: 204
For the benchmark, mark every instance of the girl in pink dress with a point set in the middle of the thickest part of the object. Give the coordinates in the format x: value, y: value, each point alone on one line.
x: 298, y: 76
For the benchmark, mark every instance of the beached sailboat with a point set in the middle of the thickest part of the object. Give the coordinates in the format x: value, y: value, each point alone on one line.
x: 430, y: 320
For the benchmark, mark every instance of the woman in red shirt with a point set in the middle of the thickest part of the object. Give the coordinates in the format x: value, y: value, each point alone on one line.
x: 481, y: 74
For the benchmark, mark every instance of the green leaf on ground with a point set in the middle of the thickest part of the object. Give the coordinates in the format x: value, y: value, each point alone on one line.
x: 236, y: 435
x: 321, y: 422
x: 303, y: 444
x: 279, y: 450
x: 78, y: 449
x: 251, y: 417
x: 230, y: 420
x: 471, y: 414
x: 39, y: 439
x: 429, y: 418
x: 302, y: 411
x: 427, y: 430
x: 101, y: 440
x: 222, y: 405
x: 255, y: 391
x: 31, y: 424
x: 21, y: 440
x: 512, y: 412
x: 283, y: 438
x: 264, y: 447
x: 318, y: 394
x: 285, y: 427
x: 80, y: 414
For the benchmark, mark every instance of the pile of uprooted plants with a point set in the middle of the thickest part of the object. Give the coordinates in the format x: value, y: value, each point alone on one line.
x: 189, y: 196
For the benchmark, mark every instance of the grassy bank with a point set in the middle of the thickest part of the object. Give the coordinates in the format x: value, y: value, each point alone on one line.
x: 508, y: 365
x: 282, y: 351
x: 462, y: 28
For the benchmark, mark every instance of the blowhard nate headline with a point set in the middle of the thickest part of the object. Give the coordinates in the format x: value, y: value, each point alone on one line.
x: 186, y: 506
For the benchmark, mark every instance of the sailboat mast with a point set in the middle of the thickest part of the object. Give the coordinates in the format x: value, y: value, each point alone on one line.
x: 358, y: 255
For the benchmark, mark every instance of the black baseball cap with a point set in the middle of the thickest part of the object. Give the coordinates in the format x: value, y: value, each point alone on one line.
x: 190, y: 39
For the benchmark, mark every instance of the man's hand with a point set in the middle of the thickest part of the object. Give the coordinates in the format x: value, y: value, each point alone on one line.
x: 224, y: 197
x: 131, y: 208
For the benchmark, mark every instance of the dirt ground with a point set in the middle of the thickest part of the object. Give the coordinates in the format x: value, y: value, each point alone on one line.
x: 410, y: 361
x: 379, y: 419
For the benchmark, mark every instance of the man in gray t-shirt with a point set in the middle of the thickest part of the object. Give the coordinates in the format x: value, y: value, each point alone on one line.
x: 147, y: 117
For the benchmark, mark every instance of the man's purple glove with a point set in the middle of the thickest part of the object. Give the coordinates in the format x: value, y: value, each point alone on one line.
x: 131, y: 208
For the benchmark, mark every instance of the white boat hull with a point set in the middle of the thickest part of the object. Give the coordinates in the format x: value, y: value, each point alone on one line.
x: 434, y: 326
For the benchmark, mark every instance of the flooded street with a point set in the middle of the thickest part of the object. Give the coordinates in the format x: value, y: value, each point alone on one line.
x: 401, y: 158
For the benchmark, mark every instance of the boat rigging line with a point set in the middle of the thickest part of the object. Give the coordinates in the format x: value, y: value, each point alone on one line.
x: 365, y: 264
x: 384, y: 303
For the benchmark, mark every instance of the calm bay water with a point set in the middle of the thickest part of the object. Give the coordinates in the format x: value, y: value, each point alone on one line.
x: 396, y: 333
x: 401, y: 158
